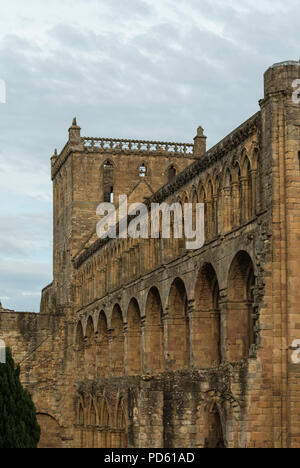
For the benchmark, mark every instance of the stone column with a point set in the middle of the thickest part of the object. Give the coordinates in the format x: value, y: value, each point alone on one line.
x: 200, y: 143
x: 227, y: 209
x: 109, y: 339
x: 223, y: 323
x: 209, y: 220
x: 165, y: 322
x: 244, y: 196
x: 125, y: 332
x: 215, y: 215
x: 254, y: 192
x: 191, y: 317
x: 143, y: 328
x: 236, y: 203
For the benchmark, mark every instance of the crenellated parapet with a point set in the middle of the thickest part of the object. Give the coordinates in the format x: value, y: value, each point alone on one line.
x: 115, y: 146
x: 112, y: 145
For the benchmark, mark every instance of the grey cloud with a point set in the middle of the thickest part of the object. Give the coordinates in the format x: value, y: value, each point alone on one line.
x: 25, y: 235
x: 151, y: 70
x: 18, y: 280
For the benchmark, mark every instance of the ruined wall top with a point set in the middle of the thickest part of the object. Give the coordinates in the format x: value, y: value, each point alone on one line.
x: 77, y: 143
x: 286, y: 63
x: 280, y: 77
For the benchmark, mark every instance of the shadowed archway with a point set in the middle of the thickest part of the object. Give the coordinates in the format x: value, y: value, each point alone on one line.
x: 134, y: 339
x: 102, y: 347
x: 178, y: 327
x: 90, y: 350
x: 117, y: 342
x: 206, y: 319
x: 154, y: 333
x: 240, y: 333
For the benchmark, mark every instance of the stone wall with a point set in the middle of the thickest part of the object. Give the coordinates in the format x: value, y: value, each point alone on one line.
x: 147, y: 344
x: 40, y: 345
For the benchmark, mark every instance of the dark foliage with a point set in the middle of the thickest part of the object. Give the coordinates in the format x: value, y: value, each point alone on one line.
x: 18, y: 423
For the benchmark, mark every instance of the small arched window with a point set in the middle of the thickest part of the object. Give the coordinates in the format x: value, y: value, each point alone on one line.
x: 171, y: 174
x: 143, y: 170
x: 108, y: 182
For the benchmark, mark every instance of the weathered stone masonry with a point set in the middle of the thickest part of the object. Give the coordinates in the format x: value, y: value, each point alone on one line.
x: 142, y: 343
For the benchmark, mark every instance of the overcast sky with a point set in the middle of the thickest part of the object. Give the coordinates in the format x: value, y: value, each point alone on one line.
x: 148, y: 69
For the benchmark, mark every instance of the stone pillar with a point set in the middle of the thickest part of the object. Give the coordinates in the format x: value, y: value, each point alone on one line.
x: 223, y: 323
x: 215, y: 215
x: 190, y: 313
x: 245, y: 199
x: 227, y: 209
x: 255, y: 208
x: 200, y: 143
x: 209, y: 220
x: 125, y: 332
x: 109, y: 339
x: 74, y: 132
x: 143, y: 328
x: 165, y: 324
x: 220, y: 214
x: 236, y: 203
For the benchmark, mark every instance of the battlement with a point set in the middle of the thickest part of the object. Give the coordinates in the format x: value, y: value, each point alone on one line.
x: 124, y: 147
x: 113, y: 146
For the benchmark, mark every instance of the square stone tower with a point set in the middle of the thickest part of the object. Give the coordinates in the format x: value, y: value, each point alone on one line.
x: 91, y: 170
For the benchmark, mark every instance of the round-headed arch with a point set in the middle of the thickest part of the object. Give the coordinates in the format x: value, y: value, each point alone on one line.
x: 134, y: 338
x: 178, y: 352
x: 240, y: 326
x: 117, y: 344
x: 102, y: 346
x: 206, y: 320
x: 154, y: 343
x: 90, y: 349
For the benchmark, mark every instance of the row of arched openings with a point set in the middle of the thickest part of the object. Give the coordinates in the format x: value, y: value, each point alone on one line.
x: 99, y: 425
x: 102, y: 426
x: 181, y: 337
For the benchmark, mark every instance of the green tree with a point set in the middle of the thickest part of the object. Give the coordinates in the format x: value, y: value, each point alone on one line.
x: 18, y: 423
